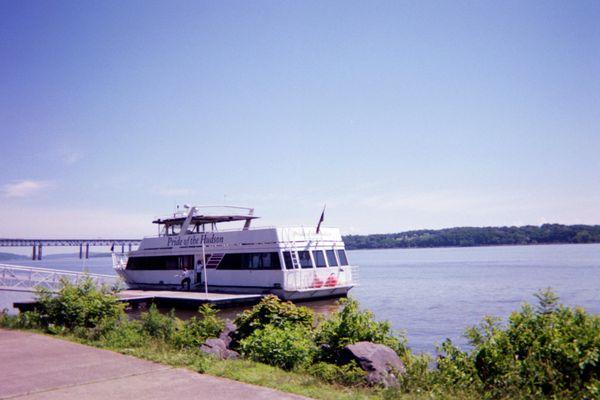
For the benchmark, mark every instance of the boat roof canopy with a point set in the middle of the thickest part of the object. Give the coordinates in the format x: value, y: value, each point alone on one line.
x: 203, y: 219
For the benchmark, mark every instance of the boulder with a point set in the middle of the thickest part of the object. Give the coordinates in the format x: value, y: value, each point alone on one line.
x: 382, y: 364
x: 217, y: 348
x: 228, y: 332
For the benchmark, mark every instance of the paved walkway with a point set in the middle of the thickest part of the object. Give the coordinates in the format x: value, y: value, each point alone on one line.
x: 41, y: 367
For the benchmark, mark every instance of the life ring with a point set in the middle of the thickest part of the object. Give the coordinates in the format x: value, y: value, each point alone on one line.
x: 331, y: 281
x: 317, y: 283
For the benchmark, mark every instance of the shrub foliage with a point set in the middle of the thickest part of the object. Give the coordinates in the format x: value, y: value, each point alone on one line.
x: 350, y: 325
x: 194, y: 331
x: 287, y: 346
x: 83, y: 305
x: 550, y: 351
x: 274, y: 312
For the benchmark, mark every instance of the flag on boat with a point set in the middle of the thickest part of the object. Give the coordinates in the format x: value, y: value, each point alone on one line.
x: 321, y: 220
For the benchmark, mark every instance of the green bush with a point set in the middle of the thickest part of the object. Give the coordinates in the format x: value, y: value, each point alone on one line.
x: 286, y: 346
x: 127, y: 334
x: 455, y: 368
x: 551, y: 351
x: 157, y: 325
x: 10, y: 321
x: 274, y: 312
x: 349, y: 374
x: 350, y: 325
x: 77, y: 306
x: 194, y: 331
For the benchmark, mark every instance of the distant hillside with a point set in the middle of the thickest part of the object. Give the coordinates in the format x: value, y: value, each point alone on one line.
x: 470, y: 236
x: 10, y: 256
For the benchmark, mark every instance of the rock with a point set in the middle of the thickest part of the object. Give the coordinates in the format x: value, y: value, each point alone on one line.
x: 382, y: 364
x: 217, y: 348
x: 228, y: 332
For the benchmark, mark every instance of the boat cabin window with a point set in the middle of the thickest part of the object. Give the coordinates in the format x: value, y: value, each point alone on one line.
x: 319, y: 258
x: 287, y: 260
x: 331, y: 258
x: 250, y: 261
x: 305, y: 260
x: 169, y: 230
x: 342, y: 257
x: 160, y: 263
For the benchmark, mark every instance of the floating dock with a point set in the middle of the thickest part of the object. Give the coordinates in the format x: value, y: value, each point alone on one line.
x: 187, y: 299
x: 172, y: 298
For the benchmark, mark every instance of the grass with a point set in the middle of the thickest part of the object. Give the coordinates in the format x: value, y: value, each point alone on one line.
x: 240, y: 370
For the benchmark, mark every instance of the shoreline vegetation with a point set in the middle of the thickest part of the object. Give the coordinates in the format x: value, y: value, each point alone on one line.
x: 477, y: 236
x: 547, y: 351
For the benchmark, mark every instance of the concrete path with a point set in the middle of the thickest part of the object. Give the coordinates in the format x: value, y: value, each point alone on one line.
x: 41, y: 367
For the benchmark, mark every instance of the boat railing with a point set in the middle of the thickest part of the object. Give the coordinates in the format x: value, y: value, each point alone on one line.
x: 306, y: 230
x: 320, y: 278
x: 22, y: 278
x: 119, y: 261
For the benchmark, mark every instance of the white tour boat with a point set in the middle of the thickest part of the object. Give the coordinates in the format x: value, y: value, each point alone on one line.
x: 191, y: 253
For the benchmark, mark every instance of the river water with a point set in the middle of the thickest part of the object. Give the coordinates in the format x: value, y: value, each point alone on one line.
x: 433, y: 294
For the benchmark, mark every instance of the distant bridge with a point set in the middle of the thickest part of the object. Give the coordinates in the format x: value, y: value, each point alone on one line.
x: 37, y: 244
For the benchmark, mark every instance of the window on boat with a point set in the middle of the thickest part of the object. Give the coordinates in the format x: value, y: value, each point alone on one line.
x: 161, y: 263
x: 319, y: 258
x: 305, y: 260
x: 331, y: 258
x: 342, y: 257
x: 186, y: 262
x: 287, y: 260
x: 154, y: 263
x: 250, y: 261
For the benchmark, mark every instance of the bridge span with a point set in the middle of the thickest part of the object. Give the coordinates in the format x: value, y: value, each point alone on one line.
x: 38, y: 244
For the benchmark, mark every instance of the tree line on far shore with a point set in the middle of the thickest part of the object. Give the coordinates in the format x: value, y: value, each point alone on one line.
x: 473, y: 236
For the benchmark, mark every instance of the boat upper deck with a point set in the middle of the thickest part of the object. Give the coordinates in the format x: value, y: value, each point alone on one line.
x: 185, y: 231
x: 258, y: 237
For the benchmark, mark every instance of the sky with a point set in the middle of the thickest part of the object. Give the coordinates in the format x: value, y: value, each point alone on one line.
x: 397, y: 115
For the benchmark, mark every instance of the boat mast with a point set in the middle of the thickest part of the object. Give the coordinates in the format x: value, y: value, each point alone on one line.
x: 204, y: 267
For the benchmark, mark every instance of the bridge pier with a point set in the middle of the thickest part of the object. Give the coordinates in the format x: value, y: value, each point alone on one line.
x: 123, y: 248
x: 80, y: 251
x: 39, y: 254
x: 33, y: 253
x: 87, y: 250
x: 130, y: 247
